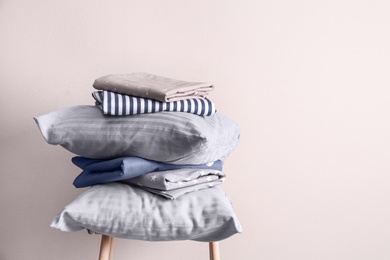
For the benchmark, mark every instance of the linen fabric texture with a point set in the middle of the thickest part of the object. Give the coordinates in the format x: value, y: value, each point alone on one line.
x: 151, y: 86
x: 175, y: 183
x: 122, y: 211
x: 97, y: 171
x: 115, y: 104
x: 174, y: 138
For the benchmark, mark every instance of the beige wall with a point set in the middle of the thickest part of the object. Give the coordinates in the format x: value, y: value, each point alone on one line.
x: 308, y: 82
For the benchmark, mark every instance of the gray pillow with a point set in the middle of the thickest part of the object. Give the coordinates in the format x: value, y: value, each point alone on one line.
x: 170, y: 137
x: 119, y: 210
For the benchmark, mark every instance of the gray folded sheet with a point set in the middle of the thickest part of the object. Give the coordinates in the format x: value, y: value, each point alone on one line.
x: 175, y: 183
x: 152, y: 86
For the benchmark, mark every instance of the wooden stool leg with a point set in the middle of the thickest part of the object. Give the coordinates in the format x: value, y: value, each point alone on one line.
x: 214, y: 251
x: 111, y: 248
x: 106, y: 248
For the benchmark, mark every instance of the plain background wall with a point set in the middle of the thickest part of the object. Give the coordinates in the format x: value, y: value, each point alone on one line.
x: 308, y: 82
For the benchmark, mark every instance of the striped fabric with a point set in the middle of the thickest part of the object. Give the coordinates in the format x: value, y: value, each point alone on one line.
x: 122, y: 105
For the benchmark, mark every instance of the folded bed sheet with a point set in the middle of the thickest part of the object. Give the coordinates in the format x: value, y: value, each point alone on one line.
x: 115, y: 104
x: 151, y: 86
x: 97, y: 171
x: 175, y: 183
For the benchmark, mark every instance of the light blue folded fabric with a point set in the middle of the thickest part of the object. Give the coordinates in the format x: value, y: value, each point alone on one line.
x: 172, y: 184
x: 97, y: 171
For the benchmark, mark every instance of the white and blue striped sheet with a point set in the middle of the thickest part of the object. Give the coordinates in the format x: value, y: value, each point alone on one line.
x: 117, y: 104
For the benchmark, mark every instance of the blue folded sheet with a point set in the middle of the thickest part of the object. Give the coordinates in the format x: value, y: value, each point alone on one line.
x: 97, y: 171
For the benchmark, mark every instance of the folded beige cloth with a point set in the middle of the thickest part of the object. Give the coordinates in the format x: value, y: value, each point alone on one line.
x: 152, y: 86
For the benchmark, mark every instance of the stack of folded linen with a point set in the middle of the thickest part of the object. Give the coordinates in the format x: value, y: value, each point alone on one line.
x: 148, y: 138
x: 168, y: 180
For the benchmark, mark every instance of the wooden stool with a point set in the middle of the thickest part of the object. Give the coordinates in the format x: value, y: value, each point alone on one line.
x: 106, y: 249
